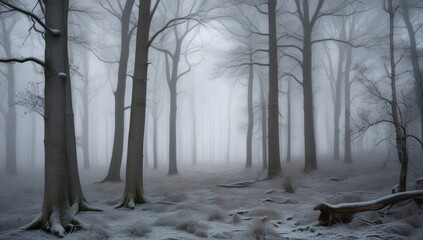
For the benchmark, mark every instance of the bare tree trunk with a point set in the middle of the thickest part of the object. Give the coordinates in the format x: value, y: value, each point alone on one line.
x: 85, y: 124
x: 11, y: 164
x: 249, y: 146
x: 173, y: 168
x: 337, y: 103
x: 56, y: 212
x: 228, y: 114
x: 134, y: 191
x: 194, y: 128
x: 273, y: 132
x: 113, y: 174
x: 400, y: 133
x: 414, y: 61
x: 155, y: 119
x: 263, y: 124
x: 309, y: 138
x: 347, y: 103
x: 289, y: 124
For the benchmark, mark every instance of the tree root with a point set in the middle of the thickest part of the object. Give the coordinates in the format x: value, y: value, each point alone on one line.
x: 81, y: 204
x: 58, y: 223
x: 330, y: 214
x: 129, y: 201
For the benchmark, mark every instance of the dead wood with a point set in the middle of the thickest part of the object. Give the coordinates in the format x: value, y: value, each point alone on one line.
x: 241, y: 184
x: 343, y: 212
x: 287, y: 201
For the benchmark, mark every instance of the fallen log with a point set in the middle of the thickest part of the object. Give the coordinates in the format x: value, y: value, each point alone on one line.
x: 343, y: 212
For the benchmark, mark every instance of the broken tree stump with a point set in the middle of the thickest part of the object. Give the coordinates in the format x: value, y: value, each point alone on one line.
x: 343, y: 212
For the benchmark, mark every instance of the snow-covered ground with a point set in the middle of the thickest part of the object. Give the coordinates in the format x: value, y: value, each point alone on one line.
x: 191, y: 206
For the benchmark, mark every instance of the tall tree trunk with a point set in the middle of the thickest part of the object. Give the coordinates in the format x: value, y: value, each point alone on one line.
x: 173, y: 168
x: 273, y: 132
x: 337, y: 103
x: 400, y: 133
x: 113, y: 174
x: 194, y: 128
x: 414, y: 61
x: 155, y: 157
x: 56, y: 212
x: 347, y: 103
x: 249, y: 146
x: 289, y: 124
x: 309, y: 138
x: 228, y: 115
x: 134, y: 191
x: 11, y: 164
x: 76, y: 197
x: 263, y: 124
x: 85, y: 124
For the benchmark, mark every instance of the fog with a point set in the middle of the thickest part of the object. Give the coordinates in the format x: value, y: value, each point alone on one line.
x: 349, y: 89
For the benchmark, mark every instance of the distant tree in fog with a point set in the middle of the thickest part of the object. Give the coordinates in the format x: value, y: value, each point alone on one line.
x: 7, y: 24
x: 181, y: 40
x: 247, y: 58
x: 309, y: 13
x: 346, y: 29
x: 126, y: 33
x: 62, y: 195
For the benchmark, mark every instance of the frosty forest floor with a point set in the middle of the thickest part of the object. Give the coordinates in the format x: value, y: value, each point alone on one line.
x: 191, y: 206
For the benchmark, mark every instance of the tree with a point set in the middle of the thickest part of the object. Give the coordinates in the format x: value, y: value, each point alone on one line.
x: 273, y: 103
x: 62, y: 195
x: 10, y: 115
x: 418, y: 77
x: 174, y: 74
x: 273, y: 151
x: 394, y: 104
x: 134, y: 190
x: 308, y: 19
x: 113, y: 174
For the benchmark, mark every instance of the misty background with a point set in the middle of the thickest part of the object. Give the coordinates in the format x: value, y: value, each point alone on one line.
x: 212, y: 93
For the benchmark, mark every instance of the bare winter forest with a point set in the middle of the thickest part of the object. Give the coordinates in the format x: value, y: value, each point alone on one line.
x: 223, y: 119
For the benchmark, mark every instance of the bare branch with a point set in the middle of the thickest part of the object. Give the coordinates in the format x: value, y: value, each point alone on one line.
x: 22, y: 60
x: 54, y: 32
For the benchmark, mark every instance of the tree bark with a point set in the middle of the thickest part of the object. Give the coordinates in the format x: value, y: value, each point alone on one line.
x: 347, y: 103
x: 289, y: 124
x: 56, y: 213
x: 173, y: 167
x: 249, y: 146
x: 330, y: 214
x: 337, y: 103
x: 273, y: 120
x: 263, y: 124
x: 307, y: 65
x: 86, y: 119
x: 134, y: 192
x: 113, y: 174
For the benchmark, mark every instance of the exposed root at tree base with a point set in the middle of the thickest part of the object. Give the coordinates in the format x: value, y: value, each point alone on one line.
x: 81, y: 204
x: 58, y: 223
x: 129, y: 201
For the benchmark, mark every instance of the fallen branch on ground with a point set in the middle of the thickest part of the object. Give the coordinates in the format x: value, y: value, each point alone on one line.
x: 330, y: 214
x: 241, y: 184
